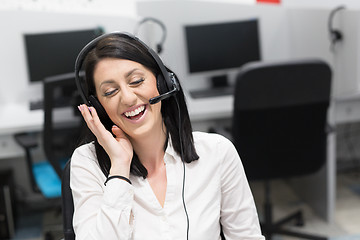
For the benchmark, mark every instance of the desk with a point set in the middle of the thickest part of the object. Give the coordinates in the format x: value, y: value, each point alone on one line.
x: 347, y: 109
x: 343, y: 110
x: 210, y: 108
x: 18, y: 118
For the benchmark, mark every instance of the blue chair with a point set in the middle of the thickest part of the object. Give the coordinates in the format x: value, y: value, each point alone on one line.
x: 43, y: 177
x: 60, y: 137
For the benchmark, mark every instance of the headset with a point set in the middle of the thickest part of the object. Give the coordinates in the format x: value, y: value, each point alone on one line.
x: 167, y: 82
x: 335, y: 34
x: 159, y: 46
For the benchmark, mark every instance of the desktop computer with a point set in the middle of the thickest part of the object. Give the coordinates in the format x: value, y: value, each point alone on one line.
x: 218, y: 48
x: 54, y: 53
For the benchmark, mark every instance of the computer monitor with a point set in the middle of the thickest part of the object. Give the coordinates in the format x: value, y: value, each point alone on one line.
x: 223, y: 45
x: 54, y: 53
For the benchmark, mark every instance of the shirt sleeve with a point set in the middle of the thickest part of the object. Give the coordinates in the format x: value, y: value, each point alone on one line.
x: 101, y: 212
x: 239, y: 218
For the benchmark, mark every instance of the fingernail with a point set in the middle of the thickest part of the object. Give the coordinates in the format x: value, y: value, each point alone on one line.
x: 89, y: 109
x: 79, y: 107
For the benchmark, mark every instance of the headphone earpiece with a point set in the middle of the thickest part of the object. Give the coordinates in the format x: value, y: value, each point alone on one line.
x: 336, y: 35
x: 160, y: 82
x: 100, y: 110
x: 158, y: 48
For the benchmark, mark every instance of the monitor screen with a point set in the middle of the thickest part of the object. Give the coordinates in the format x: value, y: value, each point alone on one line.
x: 49, y: 54
x: 222, y: 45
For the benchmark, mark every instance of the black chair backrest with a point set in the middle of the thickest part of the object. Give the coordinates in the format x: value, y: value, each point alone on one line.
x: 67, y: 204
x: 60, y: 136
x: 280, y: 117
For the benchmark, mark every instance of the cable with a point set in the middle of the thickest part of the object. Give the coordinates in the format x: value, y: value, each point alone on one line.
x: 182, y: 159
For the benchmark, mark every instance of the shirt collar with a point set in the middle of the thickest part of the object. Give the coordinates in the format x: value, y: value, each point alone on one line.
x: 170, y: 150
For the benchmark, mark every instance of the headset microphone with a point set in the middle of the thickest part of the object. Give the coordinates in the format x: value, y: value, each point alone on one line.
x: 161, y: 97
x: 168, y: 94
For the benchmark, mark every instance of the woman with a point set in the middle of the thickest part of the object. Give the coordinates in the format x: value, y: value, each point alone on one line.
x: 162, y: 181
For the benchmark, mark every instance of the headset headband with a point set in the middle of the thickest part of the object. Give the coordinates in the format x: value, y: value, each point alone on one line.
x: 162, y: 26
x: 91, y: 45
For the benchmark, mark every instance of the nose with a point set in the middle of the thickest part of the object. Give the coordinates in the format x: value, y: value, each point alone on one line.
x: 128, y: 97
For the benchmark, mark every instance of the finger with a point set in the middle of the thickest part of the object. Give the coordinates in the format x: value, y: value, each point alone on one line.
x: 86, y: 115
x: 118, y: 132
x: 123, y: 139
x: 91, y: 118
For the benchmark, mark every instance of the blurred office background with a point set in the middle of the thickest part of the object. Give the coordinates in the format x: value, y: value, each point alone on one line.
x: 35, y: 32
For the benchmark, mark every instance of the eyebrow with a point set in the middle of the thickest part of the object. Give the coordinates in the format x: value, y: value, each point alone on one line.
x: 106, y: 82
x: 131, y: 72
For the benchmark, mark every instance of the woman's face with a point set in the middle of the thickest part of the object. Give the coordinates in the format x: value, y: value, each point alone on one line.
x: 124, y: 88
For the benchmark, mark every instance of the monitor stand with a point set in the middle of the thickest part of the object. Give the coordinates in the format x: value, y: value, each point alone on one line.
x: 219, y: 87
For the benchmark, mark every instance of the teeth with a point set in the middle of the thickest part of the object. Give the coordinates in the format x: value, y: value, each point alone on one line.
x: 135, y: 112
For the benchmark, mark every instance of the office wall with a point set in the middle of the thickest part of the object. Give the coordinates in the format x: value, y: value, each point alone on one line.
x: 286, y: 33
x: 345, y: 55
x: 289, y: 30
x: 176, y: 14
x: 113, y: 7
x: 15, y: 87
x: 295, y: 28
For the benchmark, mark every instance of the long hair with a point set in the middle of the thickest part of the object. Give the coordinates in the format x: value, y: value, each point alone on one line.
x: 174, y: 109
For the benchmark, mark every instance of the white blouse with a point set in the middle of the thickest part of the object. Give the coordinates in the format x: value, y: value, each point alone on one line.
x: 216, y: 192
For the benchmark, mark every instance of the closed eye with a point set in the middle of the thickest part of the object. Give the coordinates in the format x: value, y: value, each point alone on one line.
x: 109, y: 93
x: 137, y: 82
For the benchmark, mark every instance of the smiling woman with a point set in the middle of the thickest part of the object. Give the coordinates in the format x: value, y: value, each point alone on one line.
x: 123, y: 88
x: 162, y: 179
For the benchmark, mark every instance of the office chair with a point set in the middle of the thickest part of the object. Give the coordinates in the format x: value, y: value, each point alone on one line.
x: 58, y: 136
x: 280, y: 126
x: 61, y: 130
x: 67, y: 204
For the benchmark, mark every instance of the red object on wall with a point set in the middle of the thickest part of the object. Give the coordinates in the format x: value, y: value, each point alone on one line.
x: 268, y: 1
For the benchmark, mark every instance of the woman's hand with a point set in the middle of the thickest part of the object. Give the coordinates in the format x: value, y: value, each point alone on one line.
x: 118, y: 148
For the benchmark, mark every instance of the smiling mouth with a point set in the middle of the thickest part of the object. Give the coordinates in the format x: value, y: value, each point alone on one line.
x: 136, y: 113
